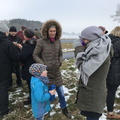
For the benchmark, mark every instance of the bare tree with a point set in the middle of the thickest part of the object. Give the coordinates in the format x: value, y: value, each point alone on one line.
x: 116, y: 17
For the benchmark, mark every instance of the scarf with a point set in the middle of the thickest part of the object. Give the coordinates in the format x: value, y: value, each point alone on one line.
x: 45, y: 80
x: 93, y: 57
x: 52, y: 39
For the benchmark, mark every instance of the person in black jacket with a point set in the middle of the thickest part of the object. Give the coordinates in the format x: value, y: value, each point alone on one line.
x: 8, y: 54
x: 27, y: 58
x: 113, y: 78
x: 16, y: 65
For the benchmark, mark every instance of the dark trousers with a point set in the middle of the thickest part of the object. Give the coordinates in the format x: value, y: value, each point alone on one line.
x: 29, y: 88
x: 92, y: 118
x: 91, y: 115
x: 17, y: 71
x: 111, y: 96
x: 4, y: 97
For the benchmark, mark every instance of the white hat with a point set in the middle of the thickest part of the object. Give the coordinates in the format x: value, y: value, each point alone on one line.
x: 3, y: 27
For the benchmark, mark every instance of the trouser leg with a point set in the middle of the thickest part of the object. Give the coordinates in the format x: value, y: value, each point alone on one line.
x: 111, y: 96
x: 4, y: 97
x: 29, y: 88
x: 18, y: 74
x: 61, y: 96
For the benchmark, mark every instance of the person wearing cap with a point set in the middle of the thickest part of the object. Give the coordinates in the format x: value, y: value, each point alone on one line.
x: 16, y: 65
x: 26, y: 59
x: 40, y: 94
x: 48, y: 51
x: 113, y: 78
x: 8, y: 54
x: 92, y: 61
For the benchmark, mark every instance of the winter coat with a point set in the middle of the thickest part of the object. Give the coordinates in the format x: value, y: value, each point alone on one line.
x: 16, y: 64
x: 40, y: 97
x: 26, y: 57
x: 113, y: 77
x: 92, y: 97
x: 50, y: 53
x: 15, y: 39
x: 8, y: 54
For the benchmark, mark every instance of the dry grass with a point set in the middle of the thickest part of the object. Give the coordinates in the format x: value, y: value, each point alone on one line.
x: 67, y: 46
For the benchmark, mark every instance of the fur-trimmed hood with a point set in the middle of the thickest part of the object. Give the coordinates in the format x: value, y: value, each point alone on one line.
x: 47, y: 24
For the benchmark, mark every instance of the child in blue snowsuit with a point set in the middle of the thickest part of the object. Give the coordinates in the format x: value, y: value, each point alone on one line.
x: 40, y: 95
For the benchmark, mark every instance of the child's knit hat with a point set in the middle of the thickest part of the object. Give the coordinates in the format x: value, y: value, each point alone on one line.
x: 36, y: 69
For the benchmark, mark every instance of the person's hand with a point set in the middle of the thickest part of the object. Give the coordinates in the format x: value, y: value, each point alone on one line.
x: 15, y: 43
x: 18, y: 45
x: 52, y: 92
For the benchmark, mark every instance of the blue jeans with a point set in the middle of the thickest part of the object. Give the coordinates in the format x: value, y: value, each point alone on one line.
x: 40, y: 118
x: 61, y: 96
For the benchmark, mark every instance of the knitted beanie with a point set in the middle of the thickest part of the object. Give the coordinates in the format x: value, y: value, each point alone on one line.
x: 3, y: 27
x: 36, y: 69
x: 12, y: 29
x: 91, y: 33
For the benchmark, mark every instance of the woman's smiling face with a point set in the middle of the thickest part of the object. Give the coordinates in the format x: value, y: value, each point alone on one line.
x: 52, y: 32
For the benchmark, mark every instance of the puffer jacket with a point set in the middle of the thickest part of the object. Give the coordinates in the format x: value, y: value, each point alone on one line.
x: 50, y: 53
x: 40, y: 98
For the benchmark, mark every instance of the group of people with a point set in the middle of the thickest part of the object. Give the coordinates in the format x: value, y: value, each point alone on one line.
x: 47, y: 53
x: 97, y: 59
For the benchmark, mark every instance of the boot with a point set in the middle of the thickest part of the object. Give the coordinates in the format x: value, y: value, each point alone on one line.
x: 66, y: 113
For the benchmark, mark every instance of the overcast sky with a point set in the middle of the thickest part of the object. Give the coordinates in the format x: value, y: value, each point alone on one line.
x: 73, y: 15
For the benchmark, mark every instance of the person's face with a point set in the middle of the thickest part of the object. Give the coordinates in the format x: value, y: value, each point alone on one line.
x: 52, y: 32
x: 7, y: 33
x: 44, y: 73
x: 86, y: 41
x: 13, y: 33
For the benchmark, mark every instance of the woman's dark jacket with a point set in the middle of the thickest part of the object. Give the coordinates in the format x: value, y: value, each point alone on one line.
x: 8, y: 54
x: 26, y: 57
x: 113, y: 77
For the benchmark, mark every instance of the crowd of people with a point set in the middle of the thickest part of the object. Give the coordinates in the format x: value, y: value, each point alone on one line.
x: 36, y: 56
